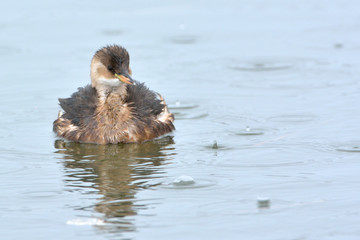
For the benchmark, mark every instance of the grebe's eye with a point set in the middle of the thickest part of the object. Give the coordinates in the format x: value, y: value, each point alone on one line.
x: 110, y: 69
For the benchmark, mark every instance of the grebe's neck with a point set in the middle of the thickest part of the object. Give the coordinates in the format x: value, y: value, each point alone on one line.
x: 105, y: 83
x: 105, y: 92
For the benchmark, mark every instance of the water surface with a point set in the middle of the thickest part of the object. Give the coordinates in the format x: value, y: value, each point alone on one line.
x: 265, y: 96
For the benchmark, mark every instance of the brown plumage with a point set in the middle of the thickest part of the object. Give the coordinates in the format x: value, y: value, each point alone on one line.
x: 114, y: 108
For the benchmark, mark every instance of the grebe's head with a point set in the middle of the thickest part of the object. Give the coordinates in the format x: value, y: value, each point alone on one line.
x: 110, y: 69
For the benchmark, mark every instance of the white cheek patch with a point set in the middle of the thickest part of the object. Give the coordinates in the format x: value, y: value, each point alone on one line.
x: 109, y: 82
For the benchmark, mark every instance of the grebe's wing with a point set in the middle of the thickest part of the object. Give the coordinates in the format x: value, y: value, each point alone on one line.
x: 80, y: 107
x: 145, y: 101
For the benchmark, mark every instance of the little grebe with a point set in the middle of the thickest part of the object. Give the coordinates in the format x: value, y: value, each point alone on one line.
x: 114, y: 108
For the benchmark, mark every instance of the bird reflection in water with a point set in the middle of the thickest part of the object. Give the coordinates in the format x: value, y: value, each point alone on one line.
x: 116, y: 173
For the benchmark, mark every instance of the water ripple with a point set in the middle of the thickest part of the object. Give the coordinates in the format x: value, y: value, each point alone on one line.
x: 268, y: 155
x: 186, y: 111
x: 289, y: 73
x: 252, y: 207
x: 293, y: 118
x: 184, y: 39
x: 349, y: 147
x: 263, y: 65
x: 177, y: 183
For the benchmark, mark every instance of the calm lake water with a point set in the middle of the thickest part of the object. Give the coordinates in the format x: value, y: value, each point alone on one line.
x: 266, y: 97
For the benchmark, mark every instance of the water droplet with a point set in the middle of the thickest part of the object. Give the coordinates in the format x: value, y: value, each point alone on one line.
x: 338, y: 45
x: 263, y: 202
x: 215, y: 145
x: 250, y: 131
x: 184, y: 180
